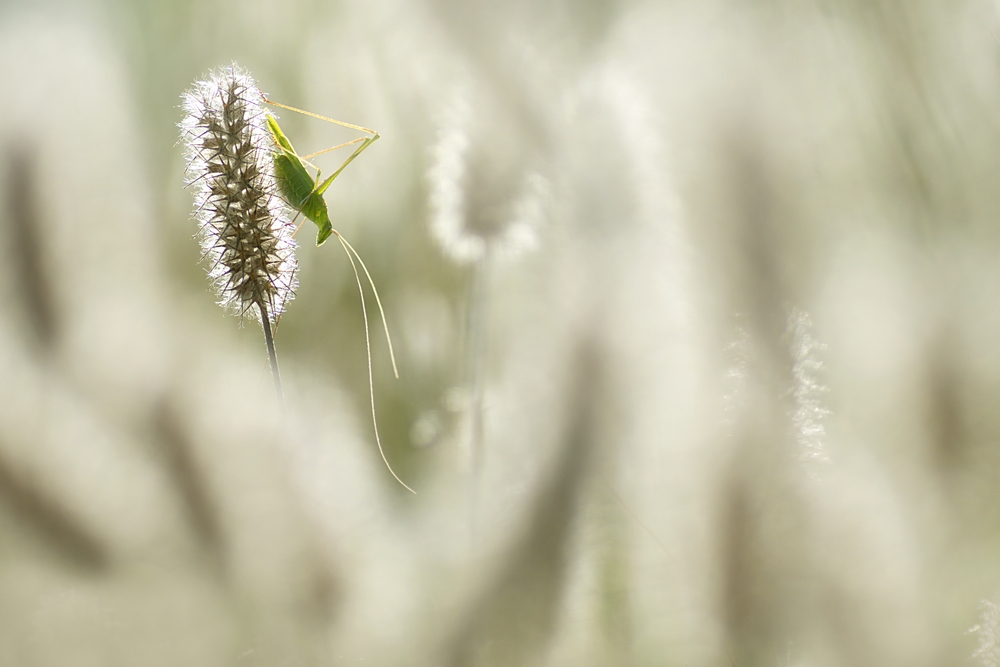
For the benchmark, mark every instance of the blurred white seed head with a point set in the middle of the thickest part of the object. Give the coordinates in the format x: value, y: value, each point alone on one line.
x: 987, y: 630
x: 449, y: 180
x: 244, y: 227
x: 809, y: 412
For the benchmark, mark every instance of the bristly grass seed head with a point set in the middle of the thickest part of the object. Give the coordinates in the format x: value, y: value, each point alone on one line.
x: 464, y: 233
x: 244, y: 226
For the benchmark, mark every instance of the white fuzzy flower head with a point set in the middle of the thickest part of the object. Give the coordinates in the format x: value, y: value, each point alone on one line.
x: 464, y: 231
x: 244, y: 226
x: 988, y: 632
x: 809, y: 414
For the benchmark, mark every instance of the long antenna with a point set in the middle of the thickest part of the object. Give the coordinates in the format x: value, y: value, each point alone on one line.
x: 371, y: 380
x: 385, y: 326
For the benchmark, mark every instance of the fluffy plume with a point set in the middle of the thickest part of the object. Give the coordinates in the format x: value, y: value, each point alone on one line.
x: 809, y: 412
x: 464, y: 232
x: 245, y: 228
x: 988, y: 632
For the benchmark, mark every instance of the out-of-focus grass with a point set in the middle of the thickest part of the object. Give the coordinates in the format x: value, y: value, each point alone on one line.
x: 716, y: 388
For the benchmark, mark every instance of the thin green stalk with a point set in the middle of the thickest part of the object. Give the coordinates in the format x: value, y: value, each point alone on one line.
x: 271, y: 354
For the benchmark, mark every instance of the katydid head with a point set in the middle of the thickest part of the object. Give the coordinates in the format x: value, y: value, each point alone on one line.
x: 279, y: 137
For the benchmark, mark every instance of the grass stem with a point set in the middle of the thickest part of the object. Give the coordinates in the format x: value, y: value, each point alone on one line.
x: 271, y: 354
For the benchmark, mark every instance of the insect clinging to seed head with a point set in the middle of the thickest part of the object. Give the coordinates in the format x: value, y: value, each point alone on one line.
x: 248, y: 180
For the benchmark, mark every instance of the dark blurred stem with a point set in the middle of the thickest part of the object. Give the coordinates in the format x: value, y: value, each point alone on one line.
x: 271, y: 354
x: 477, y: 314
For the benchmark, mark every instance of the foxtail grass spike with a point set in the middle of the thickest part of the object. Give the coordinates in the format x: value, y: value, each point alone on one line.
x: 244, y: 227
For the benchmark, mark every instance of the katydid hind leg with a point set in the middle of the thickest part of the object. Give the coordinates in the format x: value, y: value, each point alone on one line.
x: 360, y: 128
x: 326, y: 184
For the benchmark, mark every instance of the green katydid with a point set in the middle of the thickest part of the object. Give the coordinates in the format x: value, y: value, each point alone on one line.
x: 304, y: 193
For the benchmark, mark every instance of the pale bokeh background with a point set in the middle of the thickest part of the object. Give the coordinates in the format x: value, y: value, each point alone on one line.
x: 695, y: 307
